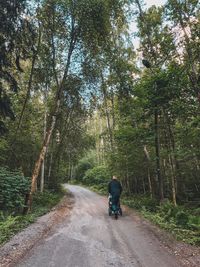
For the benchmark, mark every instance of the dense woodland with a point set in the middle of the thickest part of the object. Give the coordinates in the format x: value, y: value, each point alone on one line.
x: 79, y: 101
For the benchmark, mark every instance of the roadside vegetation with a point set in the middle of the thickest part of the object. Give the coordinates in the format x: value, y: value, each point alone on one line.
x: 182, y: 221
x: 14, y: 187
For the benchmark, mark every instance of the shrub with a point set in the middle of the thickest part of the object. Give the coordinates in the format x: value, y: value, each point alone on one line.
x: 13, y: 188
x: 42, y: 203
x: 84, y: 164
x: 46, y: 199
x: 168, y: 210
x: 99, y: 175
x: 141, y: 203
x: 182, y: 218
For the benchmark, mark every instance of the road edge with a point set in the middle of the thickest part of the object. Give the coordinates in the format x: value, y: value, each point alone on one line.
x: 186, y: 254
x: 21, y: 243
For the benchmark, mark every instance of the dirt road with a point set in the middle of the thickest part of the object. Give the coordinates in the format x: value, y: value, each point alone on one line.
x: 90, y: 238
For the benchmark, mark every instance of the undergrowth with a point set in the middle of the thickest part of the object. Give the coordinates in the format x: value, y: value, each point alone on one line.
x: 42, y: 203
x: 184, y: 224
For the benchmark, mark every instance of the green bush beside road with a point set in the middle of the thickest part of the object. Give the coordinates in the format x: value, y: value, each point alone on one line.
x: 42, y: 203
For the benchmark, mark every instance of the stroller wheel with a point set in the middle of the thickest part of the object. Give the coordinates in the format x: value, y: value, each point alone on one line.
x: 120, y: 211
x: 109, y: 212
x: 116, y: 216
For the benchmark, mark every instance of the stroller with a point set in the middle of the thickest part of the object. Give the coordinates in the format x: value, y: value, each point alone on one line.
x: 114, y: 208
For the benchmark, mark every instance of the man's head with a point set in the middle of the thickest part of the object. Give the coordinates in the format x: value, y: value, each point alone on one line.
x: 114, y: 177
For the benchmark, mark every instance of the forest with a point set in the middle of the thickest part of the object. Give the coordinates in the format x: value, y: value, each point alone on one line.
x: 83, y: 97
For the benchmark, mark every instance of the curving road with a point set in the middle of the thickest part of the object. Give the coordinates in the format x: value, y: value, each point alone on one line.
x: 90, y: 238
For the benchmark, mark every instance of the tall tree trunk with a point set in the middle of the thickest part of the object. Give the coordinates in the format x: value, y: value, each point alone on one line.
x: 149, y: 182
x: 171, y: 151
x: 113, y: 109
x: 101, y: 142
x: 148, y: 170
x: 173, y: 179
x: 69, y: 167
x: 50, y: 166
x: 53, y: 118
x: 72, y: 171
x: 127, y: 177
x: 43, y: 163
x: 105, y: 96
x: 157, y: 147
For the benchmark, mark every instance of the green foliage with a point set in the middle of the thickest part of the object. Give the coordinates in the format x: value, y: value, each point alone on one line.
x: 141, y: 203
x: 42, y: 203
x: 81, y: 169
x: 99, y: 176
x: 3, y: 151
x: 168, y: 210
x: 13, y: 188
x: 182, y: 218
x: 84, y: 164
x: 15, y: 30
x: 176, y: 220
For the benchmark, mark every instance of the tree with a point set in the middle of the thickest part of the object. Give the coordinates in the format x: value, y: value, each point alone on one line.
x: 77, y: 31
x: 17, y: 36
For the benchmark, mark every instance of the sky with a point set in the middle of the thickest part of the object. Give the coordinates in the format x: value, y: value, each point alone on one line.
x: 154, y: 2
x: 133, y: 27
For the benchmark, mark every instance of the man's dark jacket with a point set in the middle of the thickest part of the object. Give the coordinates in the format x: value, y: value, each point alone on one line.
x: 115, y: 187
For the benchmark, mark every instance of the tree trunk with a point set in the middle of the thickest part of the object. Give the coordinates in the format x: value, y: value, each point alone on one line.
x: 105, y: 96
x: 53, y: 118
x: 113, y: 110
x: 50, y: 166
x: 72, y: 172
x: 43, y: 163
x: 157, y: 148
x: 149, y: 182
x: 148, y: 170
x: 42, y: 155
x: 173, y: 180
x: 172, y: 160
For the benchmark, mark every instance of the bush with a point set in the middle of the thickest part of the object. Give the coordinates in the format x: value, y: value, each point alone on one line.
x: 42, y: 203
x: 141, y: 203
x: 13, y: 188
x: 99, y: 176
x: 182, y: 218
x: 84, y: 164
x: 194, y: 222
x: 168, y: 211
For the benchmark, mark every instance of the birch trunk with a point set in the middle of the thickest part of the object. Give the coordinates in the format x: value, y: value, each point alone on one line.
x: 157, y: 147
x: 53, y: 117
x: 43, y: 163
x: 105, y: 96
x: 148, y: 170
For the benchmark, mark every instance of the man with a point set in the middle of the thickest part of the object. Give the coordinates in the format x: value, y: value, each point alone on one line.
x: 115, y: 189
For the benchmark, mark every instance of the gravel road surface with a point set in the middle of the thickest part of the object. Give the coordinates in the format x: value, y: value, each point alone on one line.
x: 90, y: 238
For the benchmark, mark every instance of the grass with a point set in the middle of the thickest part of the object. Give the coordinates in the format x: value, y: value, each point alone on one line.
x: 42, y: 203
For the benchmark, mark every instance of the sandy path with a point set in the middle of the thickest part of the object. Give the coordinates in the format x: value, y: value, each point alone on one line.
x: 90, y: 238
